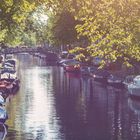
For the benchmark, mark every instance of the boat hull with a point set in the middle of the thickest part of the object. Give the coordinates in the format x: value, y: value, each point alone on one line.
x: 11, y: 88
x: 3, y: 115
x: 116, y: 84
x: 134, y: 90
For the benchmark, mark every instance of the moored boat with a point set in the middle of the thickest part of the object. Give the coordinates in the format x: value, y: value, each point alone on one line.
x: 3, y: 115
x: 84, y: 70
x: 134, y: 87
x: 73, y: 66
x: 101, y: 76
x: 1, y: 99
x: 8, y: 85
x: 115, y: 81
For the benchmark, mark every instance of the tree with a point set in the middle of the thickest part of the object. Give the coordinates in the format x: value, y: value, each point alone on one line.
x: 61, y: 29
x: 13, y: 14
x: 112, y: 27
x: 65, y: 30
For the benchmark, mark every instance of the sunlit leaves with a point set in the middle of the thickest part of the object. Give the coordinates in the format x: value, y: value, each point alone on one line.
x: 112, y: 28
x: 13, y: 16
x: 2, y: 34
x: 27, y: 6
x: 13, y: 38
x: 8, y: 2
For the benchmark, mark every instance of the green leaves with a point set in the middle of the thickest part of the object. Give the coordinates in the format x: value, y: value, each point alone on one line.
x: 112, y: 28
x: 2, y: 34
x: 61, y: 28
x: 13, y: 16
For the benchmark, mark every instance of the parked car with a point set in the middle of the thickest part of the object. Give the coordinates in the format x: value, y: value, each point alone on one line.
x: 73, y: 66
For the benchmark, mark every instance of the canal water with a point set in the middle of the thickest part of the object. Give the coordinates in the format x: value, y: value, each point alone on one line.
x: 53, y: 105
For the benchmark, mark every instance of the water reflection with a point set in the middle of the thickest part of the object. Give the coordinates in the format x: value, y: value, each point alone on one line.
x: 134, y: 105
x: 53, y: 105
x: 33, y: 115
x: 3, y: 131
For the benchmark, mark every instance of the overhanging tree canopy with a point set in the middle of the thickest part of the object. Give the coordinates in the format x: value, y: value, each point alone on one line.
x: 113, y: 28
x: 13, y: 14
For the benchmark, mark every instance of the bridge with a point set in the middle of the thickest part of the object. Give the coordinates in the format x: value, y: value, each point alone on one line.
x: 42, y: 53
x: 19, y: 50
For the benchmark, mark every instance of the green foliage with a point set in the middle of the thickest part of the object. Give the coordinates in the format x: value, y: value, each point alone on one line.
x: 29, y: 39
x: 112, y: 27
x: 2, y: 34
x: 64, y: 29
x: 13, y: 15
x: 61, y: 28
x: 82, y: 54
x: 50, y: 36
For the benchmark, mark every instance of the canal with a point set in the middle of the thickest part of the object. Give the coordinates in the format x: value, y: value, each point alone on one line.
x: 53, y: 105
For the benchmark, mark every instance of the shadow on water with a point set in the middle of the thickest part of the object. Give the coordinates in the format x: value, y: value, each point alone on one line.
x: 53, y: 105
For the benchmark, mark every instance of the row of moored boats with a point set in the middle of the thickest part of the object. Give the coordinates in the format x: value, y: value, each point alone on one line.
x: 132, y: 83
x: 9, y: 84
